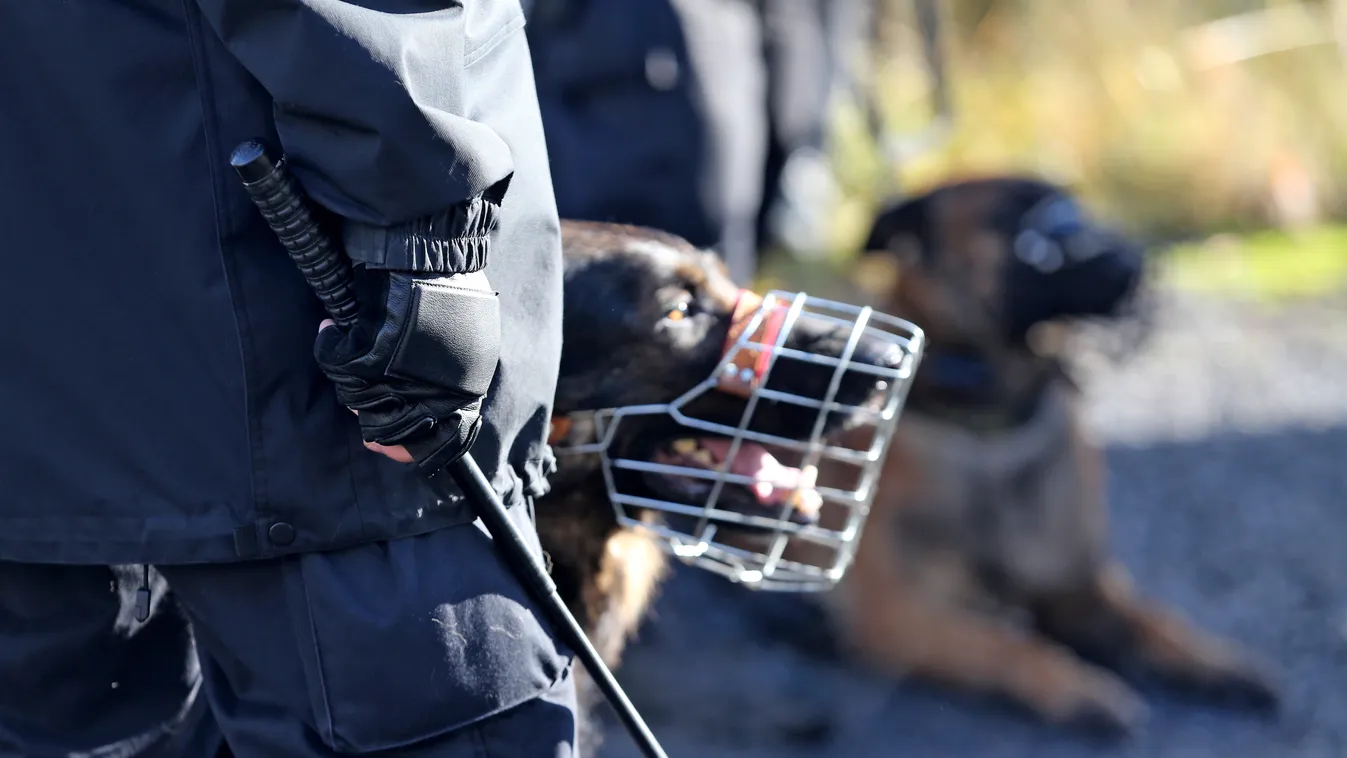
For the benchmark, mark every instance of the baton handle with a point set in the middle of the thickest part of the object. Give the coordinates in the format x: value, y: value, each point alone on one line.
x: 276, y: 195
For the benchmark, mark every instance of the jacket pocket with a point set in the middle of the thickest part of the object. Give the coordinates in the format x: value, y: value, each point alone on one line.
x: 417, y: 637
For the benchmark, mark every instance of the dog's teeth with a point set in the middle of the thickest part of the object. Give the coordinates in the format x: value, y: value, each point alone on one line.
x: 704, y: 457
x: 685, y: 446
x: 808, y: 477
x: 808, y: 502
x: 805, y: 498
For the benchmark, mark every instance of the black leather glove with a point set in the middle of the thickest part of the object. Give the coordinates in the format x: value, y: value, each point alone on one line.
x: 419, y: 362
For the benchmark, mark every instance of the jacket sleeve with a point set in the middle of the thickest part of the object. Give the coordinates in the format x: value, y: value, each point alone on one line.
x: 369, y: 105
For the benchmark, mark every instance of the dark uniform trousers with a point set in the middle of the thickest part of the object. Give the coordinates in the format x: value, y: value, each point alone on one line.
x: 384, y: 649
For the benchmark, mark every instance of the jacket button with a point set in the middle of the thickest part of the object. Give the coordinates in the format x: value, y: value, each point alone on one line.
x: 281, y: 534
x: 661, y: 69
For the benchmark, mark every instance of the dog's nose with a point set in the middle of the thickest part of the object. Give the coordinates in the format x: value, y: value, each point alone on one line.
x: 1126, y: 269
x: 881, y: 353
x: 891, y: 356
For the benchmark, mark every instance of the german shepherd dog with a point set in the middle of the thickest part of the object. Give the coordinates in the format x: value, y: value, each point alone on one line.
x: 985, y: 565
x: 647, y: 317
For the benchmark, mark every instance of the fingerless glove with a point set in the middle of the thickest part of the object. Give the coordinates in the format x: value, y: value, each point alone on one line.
x: 419, y: 362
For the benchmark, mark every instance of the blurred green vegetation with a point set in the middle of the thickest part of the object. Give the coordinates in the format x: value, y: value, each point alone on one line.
x: 1267, y: 265
x: 1220, y: 125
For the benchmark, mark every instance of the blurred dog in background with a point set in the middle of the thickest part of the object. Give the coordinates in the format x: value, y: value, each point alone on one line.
x: 985, y: 564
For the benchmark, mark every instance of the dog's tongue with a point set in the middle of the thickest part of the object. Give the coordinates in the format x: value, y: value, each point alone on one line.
x: 775, y: 483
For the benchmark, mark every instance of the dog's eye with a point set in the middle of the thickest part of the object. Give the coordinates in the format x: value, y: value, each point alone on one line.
x: 676, y: 311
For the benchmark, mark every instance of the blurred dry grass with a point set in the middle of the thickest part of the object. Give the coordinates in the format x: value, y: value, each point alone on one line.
x: 1179, y: 119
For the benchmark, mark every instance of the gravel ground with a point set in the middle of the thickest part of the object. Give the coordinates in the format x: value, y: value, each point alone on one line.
x: 1227, y: 437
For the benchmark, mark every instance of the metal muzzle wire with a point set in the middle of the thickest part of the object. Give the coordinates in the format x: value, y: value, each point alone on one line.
x: 803, y: 535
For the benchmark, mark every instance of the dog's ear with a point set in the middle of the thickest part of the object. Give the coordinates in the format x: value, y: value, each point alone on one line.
x: 897, y: 241
x: 901, y: 231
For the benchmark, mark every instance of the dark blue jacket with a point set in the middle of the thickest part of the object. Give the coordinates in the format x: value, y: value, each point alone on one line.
x: 162, y: 403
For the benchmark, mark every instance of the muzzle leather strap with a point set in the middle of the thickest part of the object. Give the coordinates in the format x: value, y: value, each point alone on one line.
x: 744, y: 373
x: 561, y: 428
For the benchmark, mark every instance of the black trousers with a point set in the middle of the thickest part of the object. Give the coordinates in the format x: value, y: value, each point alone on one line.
x: 398, y: 648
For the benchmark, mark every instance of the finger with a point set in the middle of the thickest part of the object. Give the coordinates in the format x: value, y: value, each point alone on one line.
x: 397, y: 452
x: 326, y: 323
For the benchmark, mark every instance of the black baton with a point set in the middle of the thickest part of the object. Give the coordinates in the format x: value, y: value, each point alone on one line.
x: 328, y: 271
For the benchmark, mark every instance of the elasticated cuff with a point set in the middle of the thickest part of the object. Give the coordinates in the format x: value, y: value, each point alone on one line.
x: 453, y: 242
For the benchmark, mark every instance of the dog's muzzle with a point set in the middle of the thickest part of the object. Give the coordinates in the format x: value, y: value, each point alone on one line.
x: 808, y: 482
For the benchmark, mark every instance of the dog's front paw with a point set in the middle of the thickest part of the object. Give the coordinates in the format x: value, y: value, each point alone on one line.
x: 1243, y: 680
x: 1102, y: 705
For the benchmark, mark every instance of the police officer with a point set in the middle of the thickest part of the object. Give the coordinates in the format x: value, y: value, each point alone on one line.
x: 705, y: 118
x: 625, y: 130
x: 171, y: 405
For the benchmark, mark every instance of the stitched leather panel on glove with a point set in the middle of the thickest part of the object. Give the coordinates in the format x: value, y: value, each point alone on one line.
x: 419, y: 362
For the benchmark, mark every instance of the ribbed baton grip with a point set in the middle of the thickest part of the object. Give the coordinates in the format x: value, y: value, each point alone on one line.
x: 276, y: 195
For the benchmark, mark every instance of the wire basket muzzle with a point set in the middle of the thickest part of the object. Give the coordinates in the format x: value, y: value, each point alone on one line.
x: 775, y: 495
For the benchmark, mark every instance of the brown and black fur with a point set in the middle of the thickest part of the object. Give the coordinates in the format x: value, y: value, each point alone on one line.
x: 985, y: 564
x: 619, y: 350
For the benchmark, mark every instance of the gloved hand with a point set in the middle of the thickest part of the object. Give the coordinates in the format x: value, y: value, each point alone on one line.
x: 417, y: 365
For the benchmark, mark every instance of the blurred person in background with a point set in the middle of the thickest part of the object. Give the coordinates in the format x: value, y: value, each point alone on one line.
x: 704, y: 118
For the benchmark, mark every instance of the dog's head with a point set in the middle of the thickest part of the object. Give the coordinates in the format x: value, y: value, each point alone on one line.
x: 715, y: 405
x: 986, y: 260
